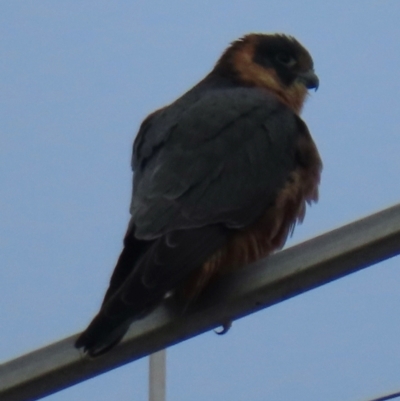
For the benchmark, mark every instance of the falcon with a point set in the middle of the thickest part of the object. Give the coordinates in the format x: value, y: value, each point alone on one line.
x: 221, y: 177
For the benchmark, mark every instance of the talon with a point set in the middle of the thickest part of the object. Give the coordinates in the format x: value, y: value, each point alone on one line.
x: 225, y: 328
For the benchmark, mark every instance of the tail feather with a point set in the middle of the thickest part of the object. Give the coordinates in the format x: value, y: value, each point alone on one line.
x: 115, y: 316
x: 111, y: 334
x: 146, y: 271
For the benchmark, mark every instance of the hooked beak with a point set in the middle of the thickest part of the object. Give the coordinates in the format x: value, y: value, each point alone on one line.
x: 309, y: 79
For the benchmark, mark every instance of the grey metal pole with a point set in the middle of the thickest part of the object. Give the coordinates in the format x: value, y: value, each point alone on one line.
x: 157, y: 375
x: 267, y: 282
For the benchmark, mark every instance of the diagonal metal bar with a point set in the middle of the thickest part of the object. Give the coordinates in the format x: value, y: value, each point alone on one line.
x: 272, y: 280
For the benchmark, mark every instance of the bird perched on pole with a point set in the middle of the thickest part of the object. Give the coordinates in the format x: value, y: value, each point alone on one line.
x: 221, y: 177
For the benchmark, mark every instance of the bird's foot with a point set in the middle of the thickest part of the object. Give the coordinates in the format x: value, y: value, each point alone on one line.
x: 225, y: 328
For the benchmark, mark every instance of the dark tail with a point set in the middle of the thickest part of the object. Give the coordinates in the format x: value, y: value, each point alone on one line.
x: 145, y: 272
x: 112, y: 322
x: 106, y: 331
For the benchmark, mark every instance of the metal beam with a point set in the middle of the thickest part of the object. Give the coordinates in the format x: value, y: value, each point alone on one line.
x: 279, y: 277
x: 157, y: 375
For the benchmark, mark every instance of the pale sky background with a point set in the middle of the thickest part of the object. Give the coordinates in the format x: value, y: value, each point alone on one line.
x: 76, y: 80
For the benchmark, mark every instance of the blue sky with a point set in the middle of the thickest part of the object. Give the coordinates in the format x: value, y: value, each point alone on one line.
x: 76, y: 80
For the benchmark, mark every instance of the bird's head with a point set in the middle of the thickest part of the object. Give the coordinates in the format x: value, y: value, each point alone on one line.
x: 275, y: 62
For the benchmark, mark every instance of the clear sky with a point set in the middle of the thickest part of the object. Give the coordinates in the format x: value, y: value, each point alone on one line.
x: 77, y: 78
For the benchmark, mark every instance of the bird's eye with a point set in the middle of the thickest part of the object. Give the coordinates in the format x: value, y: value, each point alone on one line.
x: 286, y: 59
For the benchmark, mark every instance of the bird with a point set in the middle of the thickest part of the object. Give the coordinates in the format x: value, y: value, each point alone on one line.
x: 221, y: 176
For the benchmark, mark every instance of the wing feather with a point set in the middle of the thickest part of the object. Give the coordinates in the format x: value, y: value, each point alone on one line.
x: 212, y: 161
x: 222, y: 161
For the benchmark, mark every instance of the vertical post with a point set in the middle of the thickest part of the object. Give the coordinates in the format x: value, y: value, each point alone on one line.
x: 157, y: 375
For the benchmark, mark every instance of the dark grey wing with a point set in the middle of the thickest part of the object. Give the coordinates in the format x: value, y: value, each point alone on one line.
x: 222, y: 160
x: 210, y: 162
